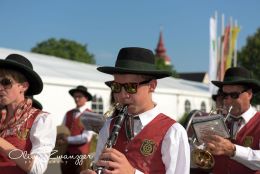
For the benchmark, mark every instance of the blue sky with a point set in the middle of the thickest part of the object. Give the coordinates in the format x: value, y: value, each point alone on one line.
x: 108, y: 26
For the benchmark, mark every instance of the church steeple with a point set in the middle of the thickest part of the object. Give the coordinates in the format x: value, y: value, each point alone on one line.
x: 160, y: 51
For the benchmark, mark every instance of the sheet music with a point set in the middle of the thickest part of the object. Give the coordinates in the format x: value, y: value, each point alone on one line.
x: 92, y: 121
x: 209, y: 125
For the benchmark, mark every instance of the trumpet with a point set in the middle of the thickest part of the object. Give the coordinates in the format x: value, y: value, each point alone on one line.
x: 119, y: 114
x: 200, y: 156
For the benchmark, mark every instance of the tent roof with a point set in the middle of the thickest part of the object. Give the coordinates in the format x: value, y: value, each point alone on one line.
x: 50, y: 67
x: 53, y: 66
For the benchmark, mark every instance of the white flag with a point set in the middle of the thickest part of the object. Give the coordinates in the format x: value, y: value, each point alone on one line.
x: 212, y: 53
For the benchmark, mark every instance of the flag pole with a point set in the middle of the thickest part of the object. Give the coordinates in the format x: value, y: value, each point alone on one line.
x: 212, y: 51
x: 231, y: 59
x: 222, y: 48
x: 216, y: 52
x: 235, y: 49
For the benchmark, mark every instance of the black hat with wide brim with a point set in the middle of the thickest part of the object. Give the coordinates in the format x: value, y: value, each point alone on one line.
x: 83, y: 90
x: 22, y: 65
x: 239, y: 76
x: 214, y: 96
x: 36, y: 104
x: 134, y: 60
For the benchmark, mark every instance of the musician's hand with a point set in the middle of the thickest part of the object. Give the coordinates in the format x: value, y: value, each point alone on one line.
x: 115, y: 162
x: 218, y: 145
x: 61, y: 139
x: 64, y: 137
x: 60, y: 142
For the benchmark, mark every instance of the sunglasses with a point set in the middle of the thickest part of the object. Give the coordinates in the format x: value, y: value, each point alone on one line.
x: 6, y: 83
x: 233, y: 95
x: 130, y: 88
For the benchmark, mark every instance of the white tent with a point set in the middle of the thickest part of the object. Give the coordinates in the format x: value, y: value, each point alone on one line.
x: 59, y: 75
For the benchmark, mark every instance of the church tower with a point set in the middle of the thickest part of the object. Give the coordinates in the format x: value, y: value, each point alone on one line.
x: 160, y: 51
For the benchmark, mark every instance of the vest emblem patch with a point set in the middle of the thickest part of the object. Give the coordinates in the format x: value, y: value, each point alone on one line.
x: 248, y: 141
x: 23, y: 134
x: 147, y: 147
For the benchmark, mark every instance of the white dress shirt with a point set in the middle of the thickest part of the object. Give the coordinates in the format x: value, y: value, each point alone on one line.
x: 246, y: 155
x: 43, y: 137
x: 175, y: 147
x: 86, y: 135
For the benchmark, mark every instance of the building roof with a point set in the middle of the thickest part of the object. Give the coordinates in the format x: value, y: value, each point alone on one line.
x: 193, y: 76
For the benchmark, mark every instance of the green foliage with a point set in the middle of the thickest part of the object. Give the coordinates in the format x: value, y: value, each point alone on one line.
x: 249, y: 57
x: 66, y: 49
x: 160, y: 64
x: 184, y: 119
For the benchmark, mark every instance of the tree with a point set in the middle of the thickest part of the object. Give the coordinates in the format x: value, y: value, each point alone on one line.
x: 66, y: 49
x: 160, y: 64
x: 249, y: 57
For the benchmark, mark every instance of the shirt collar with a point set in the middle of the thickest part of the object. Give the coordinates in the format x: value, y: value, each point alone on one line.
x: 149, y: 115
x: 248, y: 114
x: 82, y: 108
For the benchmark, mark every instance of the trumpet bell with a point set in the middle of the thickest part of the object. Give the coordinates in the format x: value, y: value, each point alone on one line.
x: 203, y: 158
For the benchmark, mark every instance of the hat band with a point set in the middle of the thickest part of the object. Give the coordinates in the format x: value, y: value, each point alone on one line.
x: 134, y: 65
x: 235, y: 79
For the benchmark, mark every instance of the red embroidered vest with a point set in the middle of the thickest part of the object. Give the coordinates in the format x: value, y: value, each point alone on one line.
x: 76, y: 128
x: 248, y: 136
x: 144, y: 151
x: 21, y: 141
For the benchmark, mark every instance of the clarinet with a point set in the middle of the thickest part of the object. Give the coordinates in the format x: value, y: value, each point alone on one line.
x: 111, y: 141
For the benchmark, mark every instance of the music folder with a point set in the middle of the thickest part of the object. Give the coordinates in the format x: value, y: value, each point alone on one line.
x: 204, y: 126
x: 92, y: 121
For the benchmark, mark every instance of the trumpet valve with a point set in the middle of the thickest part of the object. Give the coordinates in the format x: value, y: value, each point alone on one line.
x: 203, y: 159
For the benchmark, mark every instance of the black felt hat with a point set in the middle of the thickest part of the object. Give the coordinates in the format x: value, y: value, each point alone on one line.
x: 134, y: 60
x: 21, y: 64
x: 239, y: 76
x: 36, y: 104
x: 83, y: 90
x: 214, y: 96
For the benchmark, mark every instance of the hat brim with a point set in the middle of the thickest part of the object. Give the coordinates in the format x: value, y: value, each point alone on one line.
x: 158, y: 74
x: 35, y: 81
x: 249, y: 83
x: 36, y: 104
x: 88, y: 95
x: 214, y: 97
